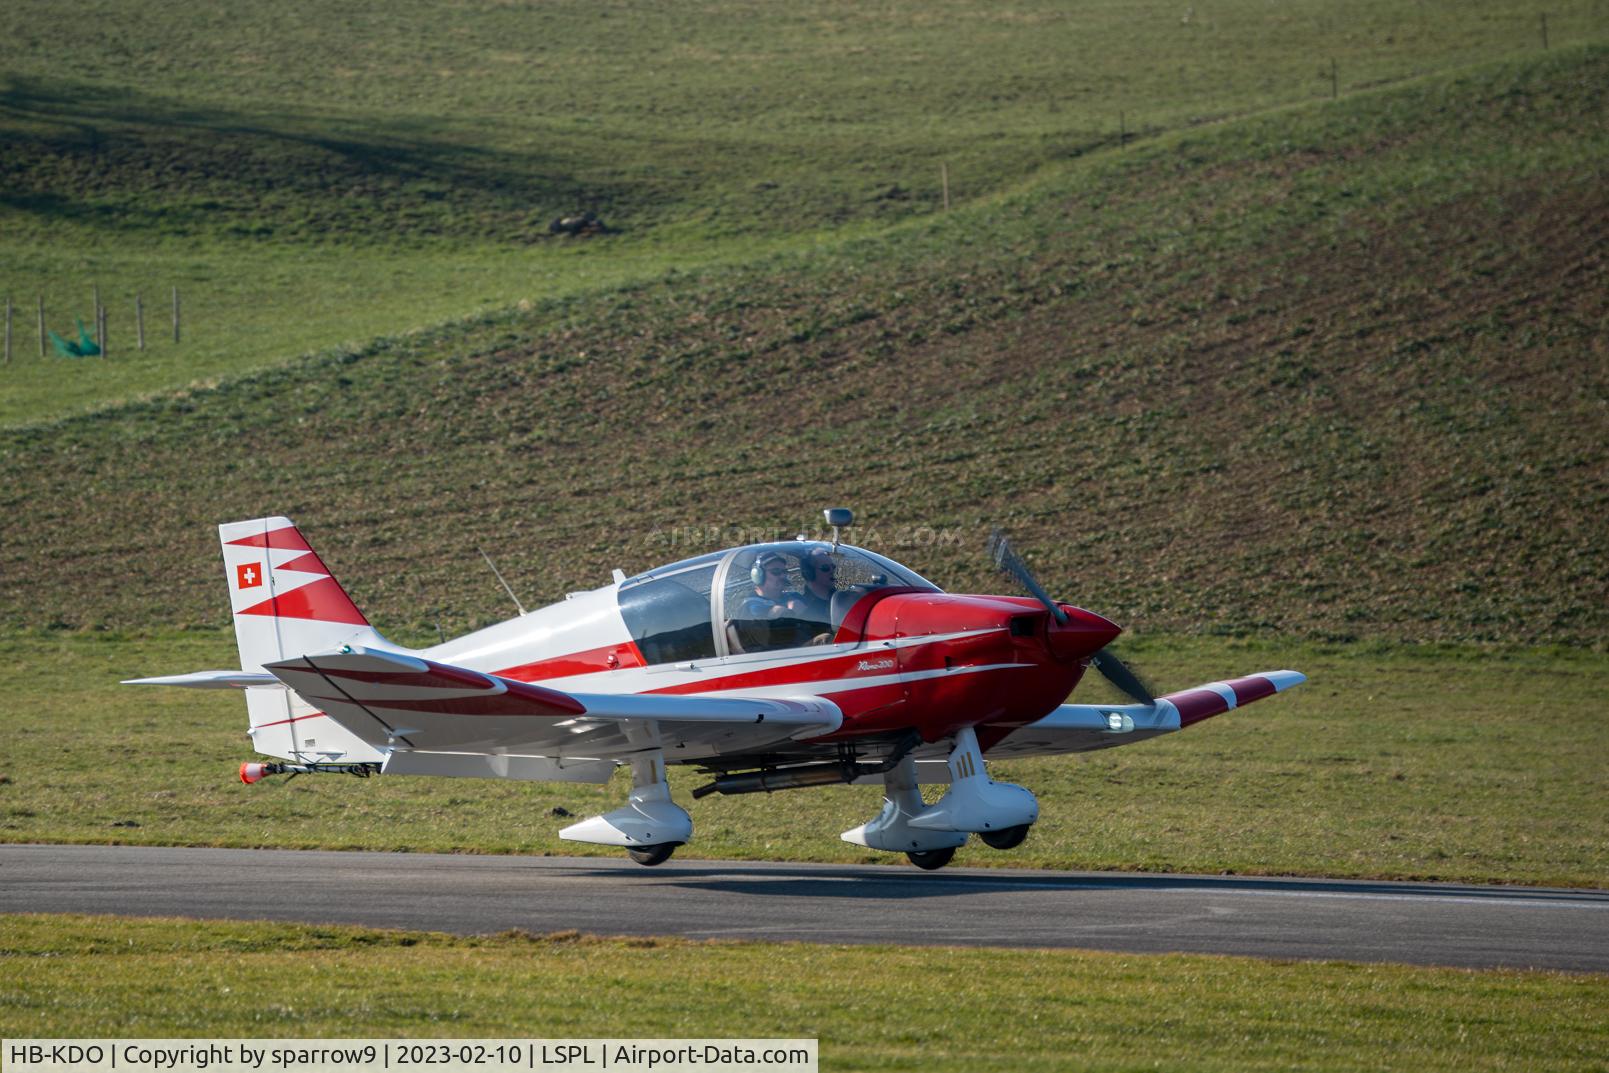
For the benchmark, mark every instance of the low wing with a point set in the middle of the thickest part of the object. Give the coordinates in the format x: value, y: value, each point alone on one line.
x: 398, y: 703
x: 1075, y: 728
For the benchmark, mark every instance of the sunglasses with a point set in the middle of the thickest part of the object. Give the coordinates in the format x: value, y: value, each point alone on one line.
x: 774, y: 572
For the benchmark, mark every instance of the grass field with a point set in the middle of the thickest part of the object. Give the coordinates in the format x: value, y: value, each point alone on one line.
x: 1456, y: 764
x: 1337, y: 371
x: 871, y: 1008
x: 309, y: 180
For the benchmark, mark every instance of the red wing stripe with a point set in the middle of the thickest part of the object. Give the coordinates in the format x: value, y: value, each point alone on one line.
x: 560, y: 703
x: 1196, y: 705
x: 510, y: 703
x: 285, y: 538
x: 1249, y: 689
x: 439, y: 676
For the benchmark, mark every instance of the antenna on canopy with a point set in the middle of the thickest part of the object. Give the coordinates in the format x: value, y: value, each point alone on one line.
x: 838, y: 517
x: 500, y: 580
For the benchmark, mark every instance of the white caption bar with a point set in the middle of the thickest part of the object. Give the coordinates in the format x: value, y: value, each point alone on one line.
x: 408, y: 1056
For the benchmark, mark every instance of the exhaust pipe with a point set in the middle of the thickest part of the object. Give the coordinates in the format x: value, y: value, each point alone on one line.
x: 767, y: 780
x: 253, y: 772
x: 764, y: 782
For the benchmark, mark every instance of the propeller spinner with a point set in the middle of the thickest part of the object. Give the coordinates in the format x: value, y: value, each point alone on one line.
x: 1110, y: 667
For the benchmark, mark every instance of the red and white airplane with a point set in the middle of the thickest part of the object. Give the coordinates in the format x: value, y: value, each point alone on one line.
x: 769, y: 666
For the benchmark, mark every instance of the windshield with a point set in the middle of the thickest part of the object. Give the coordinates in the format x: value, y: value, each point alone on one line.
x: 797, y: 593
x: 770, y: 596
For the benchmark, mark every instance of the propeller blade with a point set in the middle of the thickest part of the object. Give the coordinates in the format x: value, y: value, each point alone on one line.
x: 1110, y: 667
x: 1011, y: 563
x: 1115, y: 671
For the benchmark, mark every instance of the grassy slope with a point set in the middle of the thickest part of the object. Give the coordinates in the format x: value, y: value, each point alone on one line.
x: 309, y: 179
x: 1337, y: 371
x: 898, y: 1008
x: 1460, y: 764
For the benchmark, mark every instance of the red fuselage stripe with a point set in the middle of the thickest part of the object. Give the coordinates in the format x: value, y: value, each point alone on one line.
x: 589, y: 662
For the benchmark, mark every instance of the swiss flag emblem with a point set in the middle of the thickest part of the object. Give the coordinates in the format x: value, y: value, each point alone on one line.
x: 248, y: 575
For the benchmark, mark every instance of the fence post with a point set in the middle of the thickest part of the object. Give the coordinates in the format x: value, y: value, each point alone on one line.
x: 41, y: 325
x: 944, y: 179
x: 139, y: 321
x: 1335, y: 82
x: 105, y: 317
x: 1544, y: 31
x: 8, y: 329
x: 175, y: 314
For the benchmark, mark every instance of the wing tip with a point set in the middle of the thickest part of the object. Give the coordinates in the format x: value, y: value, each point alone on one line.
x: 1283, y: 680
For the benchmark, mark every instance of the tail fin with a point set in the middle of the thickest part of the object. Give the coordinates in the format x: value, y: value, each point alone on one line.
x: 286, y: 604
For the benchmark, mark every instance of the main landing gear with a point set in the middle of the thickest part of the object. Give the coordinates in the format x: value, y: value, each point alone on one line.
x: 997, y: 812
x: 1009, y: 838
x: 929, y: 860
x: 650, y: 825
x: 652, y: 855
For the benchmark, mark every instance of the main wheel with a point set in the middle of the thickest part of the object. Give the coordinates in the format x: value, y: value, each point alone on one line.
x: 652, y: 855
x: 929, y: 859
x: 1006, y: 837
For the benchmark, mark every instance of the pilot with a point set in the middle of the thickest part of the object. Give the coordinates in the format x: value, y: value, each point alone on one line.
x: 770, y: 576
x: 755, y: 627
x: 813, y: 604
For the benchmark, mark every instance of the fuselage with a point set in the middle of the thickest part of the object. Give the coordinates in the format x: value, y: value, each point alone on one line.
x: 897, y: 654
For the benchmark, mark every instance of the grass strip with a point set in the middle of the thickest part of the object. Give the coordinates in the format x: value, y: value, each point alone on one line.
x: 874, y: 1008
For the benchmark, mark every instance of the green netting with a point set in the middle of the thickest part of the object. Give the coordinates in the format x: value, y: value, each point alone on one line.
x: 84, y: 347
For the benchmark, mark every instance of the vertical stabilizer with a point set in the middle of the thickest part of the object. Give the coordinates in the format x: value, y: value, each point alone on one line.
x: 286, y: 604
x: 284, y: 600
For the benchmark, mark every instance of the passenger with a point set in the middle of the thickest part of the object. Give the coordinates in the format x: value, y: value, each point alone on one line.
x: 755, y: 627
x: 813, y: 604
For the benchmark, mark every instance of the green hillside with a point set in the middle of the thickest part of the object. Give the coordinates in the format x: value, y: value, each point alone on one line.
x: 1336, y: 370
x: 311, y: 176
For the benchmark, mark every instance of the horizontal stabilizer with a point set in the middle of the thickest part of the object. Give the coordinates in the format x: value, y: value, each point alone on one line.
x: 393, y: 685
x: 208, y: 680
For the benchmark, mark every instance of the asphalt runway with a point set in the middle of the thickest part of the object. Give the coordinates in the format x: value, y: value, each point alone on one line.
x: 1418, y: 923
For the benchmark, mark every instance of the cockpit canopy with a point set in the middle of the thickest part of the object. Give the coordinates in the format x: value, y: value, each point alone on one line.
x: 756, y: 598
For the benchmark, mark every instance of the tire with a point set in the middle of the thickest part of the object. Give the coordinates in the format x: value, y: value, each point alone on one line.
x: 1006, y: 837
x: 652, y: 855
x: 930, y: 859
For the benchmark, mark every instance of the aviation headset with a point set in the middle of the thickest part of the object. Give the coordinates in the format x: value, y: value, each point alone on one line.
x: 757, y: 571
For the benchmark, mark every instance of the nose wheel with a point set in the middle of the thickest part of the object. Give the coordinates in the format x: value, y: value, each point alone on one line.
x: 652, y: 855
x: 930, y: 859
